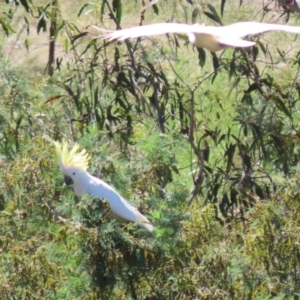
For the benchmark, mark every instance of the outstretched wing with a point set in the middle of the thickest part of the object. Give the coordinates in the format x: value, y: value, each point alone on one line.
x: 147, y: 30
x: 231, y: 42
x: 232, y: 31
x: 238, y: 30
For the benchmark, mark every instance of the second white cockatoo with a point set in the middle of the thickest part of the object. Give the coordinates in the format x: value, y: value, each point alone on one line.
x: 73, y: 165
x: 210, y: 37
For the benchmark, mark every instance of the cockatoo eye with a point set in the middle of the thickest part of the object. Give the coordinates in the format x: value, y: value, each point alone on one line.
x: 74, y: 173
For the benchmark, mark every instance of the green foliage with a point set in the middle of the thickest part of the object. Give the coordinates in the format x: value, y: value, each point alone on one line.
x: 207, y: 149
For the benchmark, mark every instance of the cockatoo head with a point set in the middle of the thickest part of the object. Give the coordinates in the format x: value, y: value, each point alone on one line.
x: 73, y: 163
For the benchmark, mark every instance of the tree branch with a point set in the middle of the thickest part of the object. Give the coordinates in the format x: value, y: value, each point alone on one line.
x: 199, y: 178
x: 54, y: 213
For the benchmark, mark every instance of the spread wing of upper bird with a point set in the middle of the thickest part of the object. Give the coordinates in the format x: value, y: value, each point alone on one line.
x: 210, y: 37
x: 73, y: 165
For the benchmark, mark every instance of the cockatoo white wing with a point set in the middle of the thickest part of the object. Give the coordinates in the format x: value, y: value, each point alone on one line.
x: 228, y: 42
x: 146, y: 30
x: 210, y: 37
x: 120, y: 207
x: 215, y: 38
x: 199, y: 35
x: 239, y: 30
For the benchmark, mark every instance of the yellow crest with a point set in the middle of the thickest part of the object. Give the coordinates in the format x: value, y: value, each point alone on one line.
x: 72, y: 158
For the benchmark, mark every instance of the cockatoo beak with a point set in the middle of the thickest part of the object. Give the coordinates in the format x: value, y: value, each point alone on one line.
x: 68, y: 180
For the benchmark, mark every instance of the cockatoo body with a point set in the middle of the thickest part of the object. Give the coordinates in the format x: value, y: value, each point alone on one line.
x: 73, y: 165
x: 210, y: 37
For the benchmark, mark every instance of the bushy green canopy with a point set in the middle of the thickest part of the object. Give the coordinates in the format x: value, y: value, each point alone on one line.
x: 205, y: 145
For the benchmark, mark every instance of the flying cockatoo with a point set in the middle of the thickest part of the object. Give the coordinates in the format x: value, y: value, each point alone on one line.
x: 210, y: 37
x: 74, y: 164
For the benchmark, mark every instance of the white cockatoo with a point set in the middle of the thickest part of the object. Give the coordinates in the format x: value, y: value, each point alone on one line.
x: 210, y: 37
x: 73, y: 165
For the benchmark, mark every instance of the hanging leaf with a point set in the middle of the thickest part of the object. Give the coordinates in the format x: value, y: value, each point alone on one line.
x: 206, y: 152
x: 102, y: 11
x: 224, y: 205
x: 155, y: 8
x: 230, y: 154
x: 214, y: 77
x: 26, y: 42
x: 262, y: 47
x: 27, y: 25
x: 201, y: 56
x: 117, y: 8
x: 215, y: 14
x: 222, y: 7
x: 82, y: 9
x: 148, y: 5
x: 78, y: 36
x: 215, y: 61
x: 253, y: 87
x: 25, y: 4
x: 232, y: 68
x: 211, y: 16
x: 6, y: 27
x: 195, y: 15
x: 41, y: 24
x: 235, y: 84
x: 280, y: 105
x: 255, y: 52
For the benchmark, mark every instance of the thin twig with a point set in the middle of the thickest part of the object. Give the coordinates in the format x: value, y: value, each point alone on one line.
x: 54, y: 213
x: 199, y: 178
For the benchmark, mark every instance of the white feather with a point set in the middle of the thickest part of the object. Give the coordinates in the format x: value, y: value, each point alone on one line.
x: 210, y: 37
x: 95, y: 187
